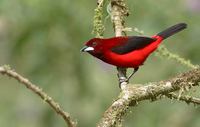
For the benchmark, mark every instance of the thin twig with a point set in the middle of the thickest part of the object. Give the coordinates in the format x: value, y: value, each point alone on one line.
x: 132, y: 94
x: 186, y: 98
x: 34, y: 88
x: 164, y: 52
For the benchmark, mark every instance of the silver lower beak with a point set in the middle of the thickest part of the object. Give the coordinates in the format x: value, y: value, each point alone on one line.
x: 86, y: 49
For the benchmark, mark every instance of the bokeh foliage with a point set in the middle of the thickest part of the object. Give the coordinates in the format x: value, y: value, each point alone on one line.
x: 41, y: 39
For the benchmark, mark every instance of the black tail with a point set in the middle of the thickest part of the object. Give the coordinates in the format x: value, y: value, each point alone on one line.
x: 172, y: 30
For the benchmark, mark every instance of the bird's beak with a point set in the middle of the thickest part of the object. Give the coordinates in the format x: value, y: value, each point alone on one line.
x: 86, y: 49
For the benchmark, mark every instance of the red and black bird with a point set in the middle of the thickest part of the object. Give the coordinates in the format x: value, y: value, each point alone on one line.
x: 128, y: 51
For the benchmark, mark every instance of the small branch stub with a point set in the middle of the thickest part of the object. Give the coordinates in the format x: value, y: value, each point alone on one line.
x: 185, y: 98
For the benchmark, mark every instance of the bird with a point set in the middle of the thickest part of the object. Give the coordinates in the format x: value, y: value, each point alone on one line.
x: 128, y: 51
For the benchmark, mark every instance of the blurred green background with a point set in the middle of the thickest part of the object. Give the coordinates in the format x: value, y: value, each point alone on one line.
x: 41, y: 40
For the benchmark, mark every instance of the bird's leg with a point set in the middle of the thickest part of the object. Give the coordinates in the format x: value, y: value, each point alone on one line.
x: 134, y: 71
x: 122, y: 77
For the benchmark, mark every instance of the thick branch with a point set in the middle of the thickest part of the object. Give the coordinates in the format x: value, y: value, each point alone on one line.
x: 34, y: 88
x: 131, y: 95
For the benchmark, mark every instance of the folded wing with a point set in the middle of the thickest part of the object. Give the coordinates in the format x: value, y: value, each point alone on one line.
x: 133, y: 43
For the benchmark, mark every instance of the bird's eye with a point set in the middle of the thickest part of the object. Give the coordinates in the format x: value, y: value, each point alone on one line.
x: 94, y: 43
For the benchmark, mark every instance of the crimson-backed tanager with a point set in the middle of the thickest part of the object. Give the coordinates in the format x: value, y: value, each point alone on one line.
x: 128, y: 51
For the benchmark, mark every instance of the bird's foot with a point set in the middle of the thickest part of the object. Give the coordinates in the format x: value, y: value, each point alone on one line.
x: 123, y: 82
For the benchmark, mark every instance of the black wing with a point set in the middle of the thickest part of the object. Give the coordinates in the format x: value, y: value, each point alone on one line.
x: 133, y: 43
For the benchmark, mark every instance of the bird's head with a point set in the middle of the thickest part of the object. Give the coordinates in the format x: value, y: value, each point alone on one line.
x: 94, y: 46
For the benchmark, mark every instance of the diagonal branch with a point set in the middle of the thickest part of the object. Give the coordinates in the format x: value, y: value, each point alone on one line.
x: 34, y: 88
x: 131, y: 95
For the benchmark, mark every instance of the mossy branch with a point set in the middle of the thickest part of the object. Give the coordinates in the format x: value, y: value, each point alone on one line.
x: 132, y: 94
x: 6, y: 70
x: 98, y: 27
